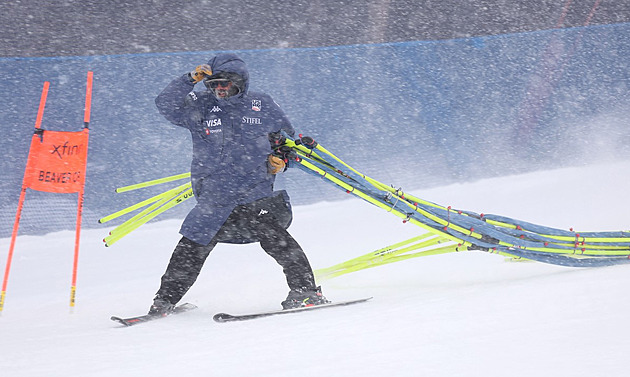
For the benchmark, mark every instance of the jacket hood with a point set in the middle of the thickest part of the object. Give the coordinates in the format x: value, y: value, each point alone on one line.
x: 230, y: 63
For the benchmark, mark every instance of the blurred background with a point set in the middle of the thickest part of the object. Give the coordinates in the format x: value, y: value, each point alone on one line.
x: 416, y: 94
x: 35, y: 28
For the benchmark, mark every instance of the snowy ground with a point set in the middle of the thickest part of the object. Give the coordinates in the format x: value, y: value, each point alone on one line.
x: 465, y: 314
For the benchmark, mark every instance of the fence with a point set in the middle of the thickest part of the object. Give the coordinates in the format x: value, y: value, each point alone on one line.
x: 414, y: 114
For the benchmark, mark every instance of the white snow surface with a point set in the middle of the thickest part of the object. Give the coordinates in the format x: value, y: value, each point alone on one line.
x: 459, y: 314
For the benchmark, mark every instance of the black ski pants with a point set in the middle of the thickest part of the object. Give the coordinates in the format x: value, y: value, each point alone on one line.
x: 188, y: 257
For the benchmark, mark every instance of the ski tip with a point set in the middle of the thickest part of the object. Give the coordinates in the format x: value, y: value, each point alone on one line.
x: 147, y: 317
x: 119, y: 320
x: 187, y: 306
x: 222, y: 317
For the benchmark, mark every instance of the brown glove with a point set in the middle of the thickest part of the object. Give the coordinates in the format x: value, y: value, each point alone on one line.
x: 275, y: 164
x: 200, y: 72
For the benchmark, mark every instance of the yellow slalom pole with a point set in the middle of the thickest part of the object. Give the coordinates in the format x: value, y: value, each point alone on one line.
x: 152, y: 182
x: 111, y: 239
x: 377, y: 258
x: 143, y: 203
x: 374, y: 182
x: 144, y: 212
x: 397, y: 258
x: 148, y: 210
x: 378, y: 184
x: 392, y: 210
x: 380, y: 253
x: 565, y: 238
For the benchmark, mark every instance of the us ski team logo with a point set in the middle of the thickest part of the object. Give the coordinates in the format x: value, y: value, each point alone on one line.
x: 256, y: 104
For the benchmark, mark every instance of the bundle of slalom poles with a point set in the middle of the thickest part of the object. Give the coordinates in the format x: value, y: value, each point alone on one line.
x: 448, y: 230
x: 452, y: 230
x: 155, y: 205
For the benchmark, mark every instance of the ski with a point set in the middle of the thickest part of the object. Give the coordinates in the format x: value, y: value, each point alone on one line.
x: 225, y: 317
x: 131, y: 321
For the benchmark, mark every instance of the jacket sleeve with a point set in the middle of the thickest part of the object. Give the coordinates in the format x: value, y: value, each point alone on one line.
x: 174, y: 101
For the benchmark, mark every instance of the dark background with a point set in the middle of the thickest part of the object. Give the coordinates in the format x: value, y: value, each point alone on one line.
x: 31, y: 28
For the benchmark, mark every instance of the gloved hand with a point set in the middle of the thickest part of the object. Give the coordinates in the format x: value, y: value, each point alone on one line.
x: 200, y: 72
x: 285, y: 153
x: 275, y: 164
x: 276, y: 139
x: 306, y: 141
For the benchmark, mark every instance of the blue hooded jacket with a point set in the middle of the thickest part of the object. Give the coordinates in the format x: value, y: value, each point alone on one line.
x: 230, y: 145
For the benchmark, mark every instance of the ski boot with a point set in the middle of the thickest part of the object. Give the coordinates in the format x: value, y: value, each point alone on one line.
x: 299, y: 298
x: 161, y: 307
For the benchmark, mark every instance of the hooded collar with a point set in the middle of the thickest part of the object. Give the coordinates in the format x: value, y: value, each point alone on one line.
x: 231, y: 63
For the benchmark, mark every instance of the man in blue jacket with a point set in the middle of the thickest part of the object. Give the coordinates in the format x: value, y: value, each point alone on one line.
x: 232, y: 174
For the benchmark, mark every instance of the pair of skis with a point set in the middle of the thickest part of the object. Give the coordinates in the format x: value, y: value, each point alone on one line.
x: 225, y: 317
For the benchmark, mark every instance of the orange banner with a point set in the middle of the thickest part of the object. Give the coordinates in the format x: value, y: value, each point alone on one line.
x: 57, y: 161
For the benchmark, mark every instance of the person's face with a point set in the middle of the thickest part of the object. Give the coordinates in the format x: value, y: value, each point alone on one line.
x: 221, y: 87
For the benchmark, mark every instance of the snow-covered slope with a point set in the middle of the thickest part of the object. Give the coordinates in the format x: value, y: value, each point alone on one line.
x: 463, y: 314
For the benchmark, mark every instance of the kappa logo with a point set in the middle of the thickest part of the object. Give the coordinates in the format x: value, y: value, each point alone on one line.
x: 256, y: 104
x: 262, y: 212
x: 215, y: 109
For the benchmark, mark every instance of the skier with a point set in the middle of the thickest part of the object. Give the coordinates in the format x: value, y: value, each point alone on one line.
x: 232, y: 174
